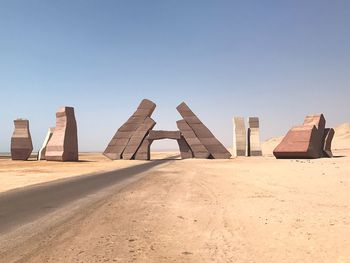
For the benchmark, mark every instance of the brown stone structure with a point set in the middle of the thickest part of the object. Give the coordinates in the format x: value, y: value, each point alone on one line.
x: 197, y: 148
x: 306, y: 141
x: 137, y: 138
x: 143, y: 152
x: 120, y: 140
x: 214, y: 147
x: 185, y: 149
x: 134, y: 138
x: 159, y: 135
x: 21, y: 141
x: 63, y: 145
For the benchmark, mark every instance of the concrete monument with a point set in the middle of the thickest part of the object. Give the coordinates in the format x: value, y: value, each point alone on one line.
x: 121, y: 139
x: 254, y: 147
x: 63, y: 145
x: 306, y: 141
x: 143, y: 152
x: 214, y: 147
x: 21, y: 141
x: 195, y: 145
x: 239, y: 137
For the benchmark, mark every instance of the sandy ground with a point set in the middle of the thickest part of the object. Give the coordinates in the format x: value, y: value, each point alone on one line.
x: 255, y: 209
x: 16, y: 174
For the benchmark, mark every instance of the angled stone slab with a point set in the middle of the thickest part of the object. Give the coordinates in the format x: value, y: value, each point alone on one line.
x: 160, y: 134
x: 239, y: 137
x: 116, y: 147
x: 214, y: 147
x: 327, y: 142
x: 137, y: 138
x: 254, y: 147
x: 21, y: 141
x: 197, y: 148
x: 144, y: 151
x: 185, y: 149
x: 63, y: 145
x: 42, y: 151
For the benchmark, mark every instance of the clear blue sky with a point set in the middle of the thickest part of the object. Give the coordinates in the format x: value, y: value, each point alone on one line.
x: 278, y: 60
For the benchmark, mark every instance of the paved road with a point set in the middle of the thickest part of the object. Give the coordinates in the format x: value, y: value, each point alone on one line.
x: 22, y: 206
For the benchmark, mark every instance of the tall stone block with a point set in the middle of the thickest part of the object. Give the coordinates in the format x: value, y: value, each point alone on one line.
x: 327, y: 142
x: 120, y: 140
x: 42, y: 151
x: 205, y: 136
x: 254, y: 147
x: 63, y: 145
x: 239, y: 137
x: 21, y: 141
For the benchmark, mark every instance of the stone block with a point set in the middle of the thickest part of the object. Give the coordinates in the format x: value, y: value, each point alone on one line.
x: 63, y: 145
x: 305, y: 141
x: 116, y: 147
x: 137, y: 138
x: 42, y: 151
x: 216, y: 150
x: 198, y: 149
x: 239, y: 137
x: 21, y: 141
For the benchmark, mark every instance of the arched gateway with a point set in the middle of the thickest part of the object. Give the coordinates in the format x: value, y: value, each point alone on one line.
x: 144, y: 152
x: 134, y: 138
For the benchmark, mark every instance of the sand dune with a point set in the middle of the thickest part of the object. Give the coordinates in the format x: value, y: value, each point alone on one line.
x: 342, y: 137
x: 341, y: 140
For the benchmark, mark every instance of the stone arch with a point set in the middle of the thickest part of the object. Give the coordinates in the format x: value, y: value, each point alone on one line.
x: 144, y: 152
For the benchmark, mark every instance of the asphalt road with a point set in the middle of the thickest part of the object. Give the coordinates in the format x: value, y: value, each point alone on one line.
x: 25, y: 205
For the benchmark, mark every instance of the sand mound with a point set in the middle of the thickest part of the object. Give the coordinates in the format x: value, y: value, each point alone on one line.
x: 269, y: 145
x: 341, y: 140
x: 342, y: 137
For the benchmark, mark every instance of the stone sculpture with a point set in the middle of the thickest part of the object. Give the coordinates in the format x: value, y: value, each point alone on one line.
x: 185, y: 149
x: 134, y: 138
x: 214, y: 147
x: 143, y: 152
x: 137, y: 138
x: 63, y: 145
x: 197, y: 148
x: 306, y: 141
x: 254, y: 148
x: 42, y: 151
x: 21, y: 141
x: 120, y: 140
x: 160, y: 134
x: 239, y: 137
x: 327, y: 142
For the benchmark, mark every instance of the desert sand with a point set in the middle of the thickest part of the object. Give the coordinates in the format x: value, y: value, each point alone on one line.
x: 256, y: 209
